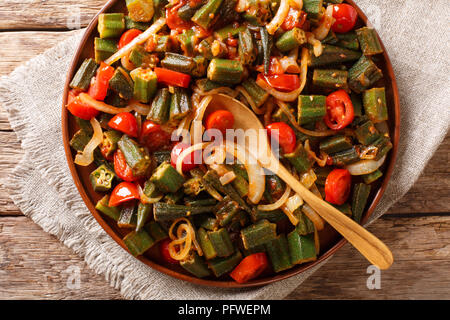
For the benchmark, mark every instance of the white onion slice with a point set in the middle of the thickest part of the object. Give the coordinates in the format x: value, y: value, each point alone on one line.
x: 317, y: 220
x: 365, y: 166
x: 154, y: 28
x: 106, y: 108
x: 317, y: 45
x: 277, y: 204
x: 294, y: 202
x: 323, y: 29
x: 186, y: 152
x: 86, y: 157
x: 146, y: 200
x: 296, y: 4
x: 279, y: 18
x: 227, y: 178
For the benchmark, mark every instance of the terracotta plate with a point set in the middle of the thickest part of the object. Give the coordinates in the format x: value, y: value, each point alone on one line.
x: 330, y: 240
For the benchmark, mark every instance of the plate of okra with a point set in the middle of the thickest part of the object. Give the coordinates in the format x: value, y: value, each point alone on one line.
x: 314, y: 72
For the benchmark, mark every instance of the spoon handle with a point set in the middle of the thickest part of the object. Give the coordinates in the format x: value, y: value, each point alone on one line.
x: 365, y: 242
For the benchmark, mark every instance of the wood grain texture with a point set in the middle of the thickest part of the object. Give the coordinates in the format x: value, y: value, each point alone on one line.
x: 47, y: 14
x: 34, y: 264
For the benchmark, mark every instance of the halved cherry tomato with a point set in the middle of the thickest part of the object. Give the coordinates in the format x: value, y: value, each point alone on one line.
x: 345, y: 16
x: 250, y: 267
x: 340, y: 112
x: 174, y: 22
x: 220, y: 120
x: 121, y: 168
x: 164, y: 250
x: 189, y: 162
x: 282, y: 82
x: 125, y: 122
x: 172, y: 78
x: 337, y: 186
x: 123, y: 192
x: 78, y: 108
x: 153, y: 136
x: 295, y: 18
x: 284, y: 134
x: 100, y: 83
x: 127, y: 37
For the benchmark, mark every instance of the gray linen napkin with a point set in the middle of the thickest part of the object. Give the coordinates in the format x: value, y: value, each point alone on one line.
x: 45, y: 192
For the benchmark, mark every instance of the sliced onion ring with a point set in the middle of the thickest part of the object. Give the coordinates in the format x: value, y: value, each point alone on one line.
x: 106, y: 108
x: 279, y: 18
x: 365, y: 166
x: 186, y: 152
x: 277, y: 204
x: 86, y: 157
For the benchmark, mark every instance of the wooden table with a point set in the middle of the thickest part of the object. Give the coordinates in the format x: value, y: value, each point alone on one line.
x: 34, y: 264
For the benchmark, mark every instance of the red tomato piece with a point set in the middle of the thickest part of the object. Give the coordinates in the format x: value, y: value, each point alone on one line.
x: 250, y: 267
x: 340, y: 112
x: 164, y: 250
x: 337, y: 186
x: 174, y: 22
x: 153, y: 136
x: 284, y: 134
x: 282, y: 82
x: 345, y: 16
x: 127, y: 37
x: 172, y: 78
x: 121, y: 168
x: 294, y: 19
x: 125, y: 122
x: 100, y: 83
x: 220, y: 120
x: 189, y: 162
x: 78, y: 108
x: 123, y: 192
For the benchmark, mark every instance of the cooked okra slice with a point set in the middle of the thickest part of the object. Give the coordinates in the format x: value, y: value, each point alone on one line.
x: 101, y: 178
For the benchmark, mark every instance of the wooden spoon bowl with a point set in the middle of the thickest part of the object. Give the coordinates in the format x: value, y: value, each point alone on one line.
x: 330, y: 240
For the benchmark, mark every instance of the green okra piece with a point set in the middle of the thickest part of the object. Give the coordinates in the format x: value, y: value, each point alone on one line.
x: 335, y: 144
x: 360, y: 196
x: 226, y: 71
x: 258, y: 94
x: 115, y: 100
x: 348, y: 40
x: 208, y: 85
x: 344, y: 208
x: 130, y: 24
x: 173, y: 198
x: 82, y: 79
x: 187, y: 41
x: 305, y: 225
x: 159, y: 111
x: 145, y: 84
x: 205, y: 48
x: 166, y: 178
x: 111, y: 25
x: 207, y: 247
x: 221, y: 241
x: 368, y: 39
x: 193, y: 186
x: 366, y: 133
x: 143, y: 214
x: 257, y: 249
x: 246, y: 49
x: 160, y: 9
x: 300, y: 159
x: 141, y: 58
x: 103, y: 206
x: 330, y: 79
x: 322, y: 174
x: 267, y: 44
x: 278, y: 252
x: 272, y: 216
x: 206, y: 222
x: 357, y: 104
x: 128, y: 216
x: 291, y: 39
x: 374, y: 102
x: 200, y: 202
x: 80, y: 139
x: 186, y: 12
x: 162, y: 43
x: 258, y: 12
x: 345, y: 157
x: 205, y: 15
x: 195, y: 265
x: 372, y: 177
x: 180, y: 104
x: 313, y: 8
x: 140, y: 10
x: 122, y: 84
x: 220, y: 266
x: 104, y: 48
x: 225, y: 211
x: 102, y: 178
x: 229, y: 31
x: 241, y: 186
x: 155, y: 231
x: 331, y: 38
x: 150, y: 190
x: 383, y: 145
x: 164, y: 211
x: 109, y: 142
x: 302, y: 248
x: 363, y: 74
x: 333, y: 55
x: 136, y: 156
x: 138, y: 242
x: 258, y: 233
x: 311, y: 108
x: 184, y: 64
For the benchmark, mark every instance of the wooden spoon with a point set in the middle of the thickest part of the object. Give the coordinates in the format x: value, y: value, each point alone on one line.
x: 365, y: 242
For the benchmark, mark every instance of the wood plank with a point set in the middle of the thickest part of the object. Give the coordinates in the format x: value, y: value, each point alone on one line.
x: 420, y: 246
x: 49, y: 14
